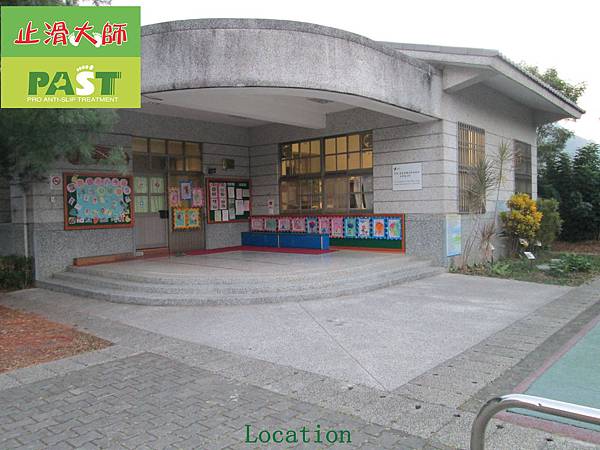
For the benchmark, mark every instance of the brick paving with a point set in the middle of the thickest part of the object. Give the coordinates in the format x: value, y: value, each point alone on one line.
x: 150, y: 401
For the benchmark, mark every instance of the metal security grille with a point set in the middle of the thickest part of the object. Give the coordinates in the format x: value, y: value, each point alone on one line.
x: 471, y: 153
x: 523, y: 168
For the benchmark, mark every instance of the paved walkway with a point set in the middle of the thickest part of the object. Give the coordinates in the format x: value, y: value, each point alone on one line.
x: 381, y: 339
x: 152, y: 390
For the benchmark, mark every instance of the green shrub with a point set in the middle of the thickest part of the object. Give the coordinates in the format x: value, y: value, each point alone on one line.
x: 501, y: 268
x: 551, y: 224
x: 16, y: 272
x: 522, y: 220
x: 569, y: 263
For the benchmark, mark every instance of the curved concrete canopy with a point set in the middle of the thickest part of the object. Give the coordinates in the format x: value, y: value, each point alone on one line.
x: 183, y: 61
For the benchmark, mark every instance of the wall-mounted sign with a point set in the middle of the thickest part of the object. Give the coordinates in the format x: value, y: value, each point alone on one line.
x: 55, y: 182
x: 407, y: 177
x: 453, y: 235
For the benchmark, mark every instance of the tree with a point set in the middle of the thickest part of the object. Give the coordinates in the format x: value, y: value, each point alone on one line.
x: 551, y: 77
x: 586, y: 180
x: 551, y: 138
x: 32, y: 140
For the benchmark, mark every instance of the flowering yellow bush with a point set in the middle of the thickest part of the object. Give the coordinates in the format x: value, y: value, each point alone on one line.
x: 522, y: 220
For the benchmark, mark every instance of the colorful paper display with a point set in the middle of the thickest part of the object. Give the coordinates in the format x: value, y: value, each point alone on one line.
x: 394, y: 229
x: 270, y: 224
x: 312, y: 225
x: 350, y: 227
x: 284, y: 224
x: 186, y: 218
x: 257, y: 224
x: 174, y: 199
x: 197, y: 197
x: 363, y: 227
x: 324, y: 225
x: 337, y: 227
x: 299, y: 224
x: 97, y: 201
x: 378, y: 228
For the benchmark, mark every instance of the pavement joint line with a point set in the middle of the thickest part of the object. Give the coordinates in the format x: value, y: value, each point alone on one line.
x: 342, y: 347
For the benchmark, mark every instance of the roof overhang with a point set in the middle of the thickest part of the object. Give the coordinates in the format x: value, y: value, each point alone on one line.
x: 465, y: 67
x: 279, y: 71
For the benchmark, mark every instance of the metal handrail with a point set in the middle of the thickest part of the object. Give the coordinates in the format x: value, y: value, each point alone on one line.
x: 543, y: 405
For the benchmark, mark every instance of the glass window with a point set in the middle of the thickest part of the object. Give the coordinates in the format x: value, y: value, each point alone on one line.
x: 315, y: 148
x: 157, y: 146
x: 175, y: 148
x: 361, y: 192
x: 471, y: 153
x: 336, y: 189
x: 354, y: 143
x: 348, y: 161
x: 367, y: 160
x: 192, y: 149
x: 140, y: 185
x: 177, y: 164
x: 157, y: 185
x: 140, y: 162
x: 157, y: 203
x: 139, y: 145
x: 158, y: 162
x: 330, y: 146
x: 141, y: 203
x: 523, y: 182
x: 353, y: 161
x: 193, y: 164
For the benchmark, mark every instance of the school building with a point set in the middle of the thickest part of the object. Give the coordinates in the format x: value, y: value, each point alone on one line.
x: 289, y: 129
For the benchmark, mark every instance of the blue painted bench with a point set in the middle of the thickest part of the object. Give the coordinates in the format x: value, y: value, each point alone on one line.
x: 286, y: 240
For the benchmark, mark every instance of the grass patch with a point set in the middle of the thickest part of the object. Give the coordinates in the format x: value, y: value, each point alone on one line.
x: 565, y: 269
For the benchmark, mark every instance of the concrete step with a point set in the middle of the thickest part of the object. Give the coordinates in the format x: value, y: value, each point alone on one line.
x: 295, y: 293
x: 241, y: 285
x: 277, y: 276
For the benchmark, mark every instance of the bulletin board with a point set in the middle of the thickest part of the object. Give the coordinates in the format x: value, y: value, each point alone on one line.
x: 97, y: 200
x: 228, y: 200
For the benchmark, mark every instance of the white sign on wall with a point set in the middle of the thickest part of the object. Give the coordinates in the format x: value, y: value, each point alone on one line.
x: 407, y: 177
x: 55, y: 182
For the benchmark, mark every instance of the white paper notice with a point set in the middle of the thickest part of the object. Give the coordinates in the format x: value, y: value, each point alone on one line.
x: 217, y: 216
x: 239, y: 207
x: 246, y: 205
x: 238, y: 194
x: 225, y: 215
x: 231, y: 192
x: 245, y: 192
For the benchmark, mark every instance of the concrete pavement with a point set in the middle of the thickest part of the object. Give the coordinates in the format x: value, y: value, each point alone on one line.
x: 71, y: 402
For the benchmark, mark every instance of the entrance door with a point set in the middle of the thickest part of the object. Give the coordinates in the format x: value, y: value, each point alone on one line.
x: 184, y: 240
x: 151, y: 214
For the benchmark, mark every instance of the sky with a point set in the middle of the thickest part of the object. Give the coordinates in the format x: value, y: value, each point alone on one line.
x: 548, y: 33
